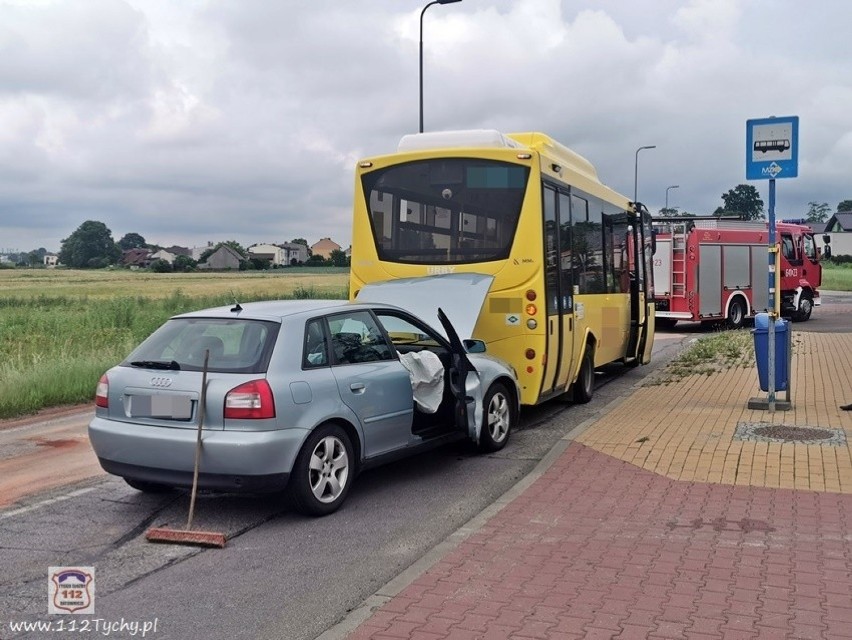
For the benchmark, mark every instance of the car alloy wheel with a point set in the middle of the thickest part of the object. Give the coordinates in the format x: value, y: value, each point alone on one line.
x: 323, y: 471
x: 498, y: 418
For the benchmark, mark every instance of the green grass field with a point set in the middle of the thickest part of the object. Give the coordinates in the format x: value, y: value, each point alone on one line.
x: 836, y: 277
x: 61, y: 329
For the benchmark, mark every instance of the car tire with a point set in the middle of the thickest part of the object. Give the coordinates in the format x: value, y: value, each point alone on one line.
x: 584, y: 387
x: 736, y: 314
x: 323, y: 472
x: 148, y: 487
x: 498, y: 418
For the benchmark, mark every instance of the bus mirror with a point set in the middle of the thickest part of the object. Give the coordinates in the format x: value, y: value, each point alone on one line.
x: 653, y: 241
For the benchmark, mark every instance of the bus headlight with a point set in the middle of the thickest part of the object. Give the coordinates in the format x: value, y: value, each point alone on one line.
x: 532, y: 323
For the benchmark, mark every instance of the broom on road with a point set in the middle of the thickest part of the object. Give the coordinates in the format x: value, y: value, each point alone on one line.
x: 187, y: 536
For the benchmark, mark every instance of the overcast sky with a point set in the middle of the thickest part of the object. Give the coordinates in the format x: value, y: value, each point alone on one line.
x: 206, y: 120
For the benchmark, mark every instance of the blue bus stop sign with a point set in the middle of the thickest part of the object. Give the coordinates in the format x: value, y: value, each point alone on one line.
x: 772, y: 148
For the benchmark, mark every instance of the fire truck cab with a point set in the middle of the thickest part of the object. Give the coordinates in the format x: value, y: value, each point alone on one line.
x: 716, y: 270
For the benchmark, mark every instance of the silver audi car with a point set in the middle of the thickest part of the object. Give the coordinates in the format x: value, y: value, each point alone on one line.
x: 299, y: 395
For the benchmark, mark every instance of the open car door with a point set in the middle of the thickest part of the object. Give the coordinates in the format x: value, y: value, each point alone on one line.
x: 464, y: 383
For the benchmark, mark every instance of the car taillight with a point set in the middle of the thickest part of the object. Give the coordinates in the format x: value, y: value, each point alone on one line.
x: 102, y: 393
x: 250, y: 401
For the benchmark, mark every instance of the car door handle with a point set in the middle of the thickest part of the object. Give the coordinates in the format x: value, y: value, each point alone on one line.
x: 357, y: 387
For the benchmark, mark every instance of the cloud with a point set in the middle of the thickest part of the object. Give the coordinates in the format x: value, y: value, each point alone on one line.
x: 196, y: 121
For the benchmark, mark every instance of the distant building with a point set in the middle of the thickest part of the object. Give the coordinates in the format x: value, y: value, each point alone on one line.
x: 51, y: 260
x: 136, y: 258
x: 162, y: 254
x: 296, y: 253
x: 839, y: 229
x: 170, y: 253
x: 272, y: 253
x: 197, y: 252
x: 324, y: 248
x: 223, y: 258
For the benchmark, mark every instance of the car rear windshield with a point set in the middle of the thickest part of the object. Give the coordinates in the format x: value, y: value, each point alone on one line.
x: 232, y: 345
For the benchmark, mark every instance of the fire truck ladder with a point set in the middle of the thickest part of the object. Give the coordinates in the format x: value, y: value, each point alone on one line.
x: 679, y: 260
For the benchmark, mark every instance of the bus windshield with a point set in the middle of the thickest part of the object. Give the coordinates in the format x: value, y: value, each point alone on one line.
x: 445, y: 211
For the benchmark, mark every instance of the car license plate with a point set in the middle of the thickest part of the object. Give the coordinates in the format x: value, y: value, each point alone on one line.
x: 174, y: 407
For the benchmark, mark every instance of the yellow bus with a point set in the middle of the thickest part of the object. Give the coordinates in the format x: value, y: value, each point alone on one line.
x: 569, y: 259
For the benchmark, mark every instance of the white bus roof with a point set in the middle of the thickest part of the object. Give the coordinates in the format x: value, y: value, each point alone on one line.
x: 489, y: 138
x: 493, y: 139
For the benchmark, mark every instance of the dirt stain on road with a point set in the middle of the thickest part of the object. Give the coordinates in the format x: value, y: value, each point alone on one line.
x: 48, y: 454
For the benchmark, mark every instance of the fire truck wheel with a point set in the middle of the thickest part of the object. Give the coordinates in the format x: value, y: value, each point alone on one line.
x: 736, y: 314
x: 584, y: 388
x: 806, y: 305
x: 665, y: 323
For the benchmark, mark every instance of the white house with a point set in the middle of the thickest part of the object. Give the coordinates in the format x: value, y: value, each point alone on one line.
x: 275, y: 254
x: 162, y: 254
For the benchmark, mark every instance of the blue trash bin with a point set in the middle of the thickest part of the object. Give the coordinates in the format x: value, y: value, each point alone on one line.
x: 761, y: 351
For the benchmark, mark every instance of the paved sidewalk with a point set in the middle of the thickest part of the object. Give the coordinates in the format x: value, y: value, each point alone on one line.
x: 679, y: 514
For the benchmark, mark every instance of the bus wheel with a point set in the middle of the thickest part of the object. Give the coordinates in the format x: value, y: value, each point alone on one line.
x: 584, y: 388
x: 736, y: 314
x: 806, y: 306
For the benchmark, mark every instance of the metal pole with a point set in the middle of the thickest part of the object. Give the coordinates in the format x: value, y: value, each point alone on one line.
x: 636, y: 170
x: 772, y: 293
x: 674, y: 186
x: 421, y: 52
x: 421, y: 61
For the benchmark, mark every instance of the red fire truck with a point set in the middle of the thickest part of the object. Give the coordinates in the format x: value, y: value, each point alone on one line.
x: 711, y: 270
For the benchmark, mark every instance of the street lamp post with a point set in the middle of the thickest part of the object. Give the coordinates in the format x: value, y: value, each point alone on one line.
x: 421, y: 52
x: 636, y: 171
x: 674, y: 186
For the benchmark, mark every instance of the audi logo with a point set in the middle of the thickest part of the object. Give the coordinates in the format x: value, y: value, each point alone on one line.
x: 161, y: 382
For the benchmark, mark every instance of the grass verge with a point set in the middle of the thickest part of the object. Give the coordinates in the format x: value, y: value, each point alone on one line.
x: 709, y: 355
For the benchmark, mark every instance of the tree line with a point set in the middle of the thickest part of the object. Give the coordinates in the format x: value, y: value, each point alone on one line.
x: 91, y: 246
x: 744, y: 201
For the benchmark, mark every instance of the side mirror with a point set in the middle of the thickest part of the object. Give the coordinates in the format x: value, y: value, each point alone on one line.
x: 474, y: 346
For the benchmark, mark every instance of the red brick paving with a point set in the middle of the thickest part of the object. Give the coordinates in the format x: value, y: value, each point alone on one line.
x: 599, y: 548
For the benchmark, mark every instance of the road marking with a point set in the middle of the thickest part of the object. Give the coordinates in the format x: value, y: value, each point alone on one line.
x: 44, y: 503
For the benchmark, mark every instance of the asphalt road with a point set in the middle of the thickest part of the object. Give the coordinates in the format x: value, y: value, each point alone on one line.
x: 280, y: 575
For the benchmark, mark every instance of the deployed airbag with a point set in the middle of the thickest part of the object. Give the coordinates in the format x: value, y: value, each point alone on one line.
x: 427, y: 378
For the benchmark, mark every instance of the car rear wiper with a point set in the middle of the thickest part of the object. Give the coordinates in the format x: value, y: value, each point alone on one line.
x: 156, y: 364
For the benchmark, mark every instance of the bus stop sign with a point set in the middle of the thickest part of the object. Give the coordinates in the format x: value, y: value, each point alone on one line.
x: 772, y: 148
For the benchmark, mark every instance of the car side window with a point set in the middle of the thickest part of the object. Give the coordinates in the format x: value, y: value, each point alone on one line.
x: 403, y: 332
x: 315, y: 351
x: 356, y: 337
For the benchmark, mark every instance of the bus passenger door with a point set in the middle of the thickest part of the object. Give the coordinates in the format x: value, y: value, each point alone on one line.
x: 559, y: 306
